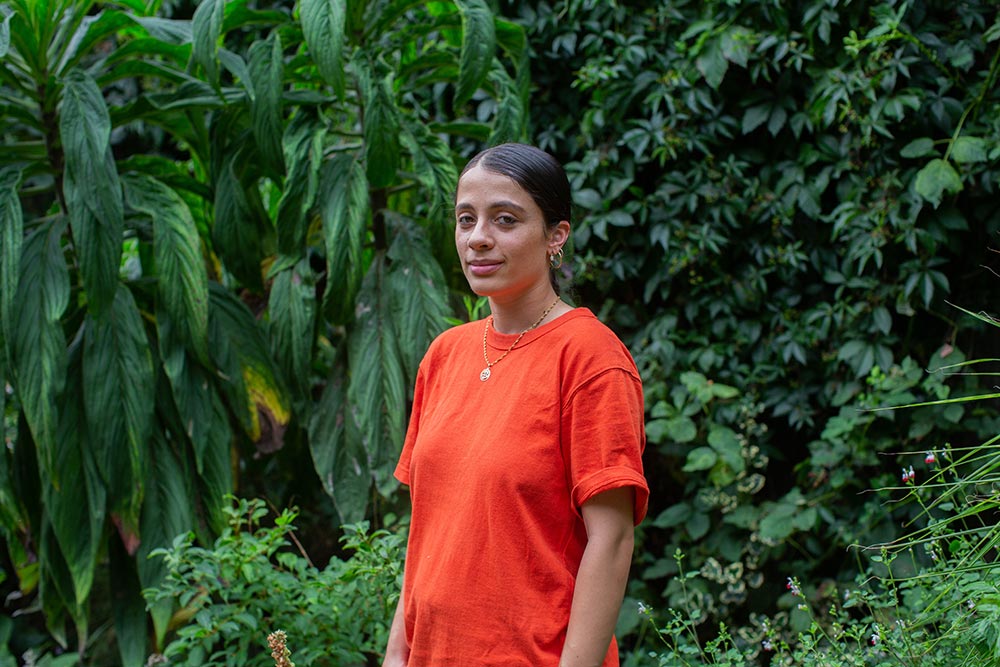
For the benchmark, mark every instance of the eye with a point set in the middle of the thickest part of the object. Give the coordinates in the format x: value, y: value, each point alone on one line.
x: 504, y: 219
x: 465, y: 220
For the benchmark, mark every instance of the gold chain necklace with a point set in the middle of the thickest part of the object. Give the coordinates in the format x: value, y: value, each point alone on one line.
x: 485, y: 374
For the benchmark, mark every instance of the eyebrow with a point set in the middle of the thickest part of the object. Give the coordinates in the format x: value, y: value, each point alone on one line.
x: 503, y: 203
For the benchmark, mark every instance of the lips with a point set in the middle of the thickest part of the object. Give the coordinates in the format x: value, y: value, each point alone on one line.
x: 481, y: 267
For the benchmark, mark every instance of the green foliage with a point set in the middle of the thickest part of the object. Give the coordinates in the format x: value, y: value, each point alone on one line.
x: 208, y: 221
x: 927, y: 598
x: 777, y: 198
x: 883, y: 623
x: 252, y: 582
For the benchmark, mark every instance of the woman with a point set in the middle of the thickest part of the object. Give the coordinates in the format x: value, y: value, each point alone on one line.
x: 523, y: 452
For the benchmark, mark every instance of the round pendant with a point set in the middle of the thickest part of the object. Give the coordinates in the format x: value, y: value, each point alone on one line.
x: 485, y: 375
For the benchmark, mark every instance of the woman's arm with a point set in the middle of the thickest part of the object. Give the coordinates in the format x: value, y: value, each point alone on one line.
x: 600, y: 582
x: 397, y: 651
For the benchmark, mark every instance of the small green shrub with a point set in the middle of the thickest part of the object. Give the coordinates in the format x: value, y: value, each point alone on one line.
x: 941, y: 616
x: 252, y: 581
x: 930, y: 598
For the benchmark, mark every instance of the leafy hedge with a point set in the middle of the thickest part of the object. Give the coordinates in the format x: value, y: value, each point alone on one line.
x: 776, y: 200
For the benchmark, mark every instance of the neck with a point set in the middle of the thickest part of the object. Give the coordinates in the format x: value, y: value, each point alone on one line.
x: 515, y: 316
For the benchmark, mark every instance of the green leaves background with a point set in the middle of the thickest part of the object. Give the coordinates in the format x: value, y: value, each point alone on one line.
x: 780, y: 200
x: 220, y: 241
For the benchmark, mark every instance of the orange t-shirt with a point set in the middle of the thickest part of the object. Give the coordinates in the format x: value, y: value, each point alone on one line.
x: 497, y: 472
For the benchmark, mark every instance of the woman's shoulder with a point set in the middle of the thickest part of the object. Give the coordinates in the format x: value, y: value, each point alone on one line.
x: 584, y: 330
x: 591, y: 342
x: 455, y: 335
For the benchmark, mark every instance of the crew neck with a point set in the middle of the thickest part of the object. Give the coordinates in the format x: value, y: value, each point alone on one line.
x: 502, y: 341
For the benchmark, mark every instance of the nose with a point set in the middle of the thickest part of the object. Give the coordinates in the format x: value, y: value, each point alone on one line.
x: 479, y: 236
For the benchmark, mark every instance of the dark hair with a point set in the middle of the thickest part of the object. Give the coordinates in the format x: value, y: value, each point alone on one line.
x: 536, y: 171
x: 539, y: 174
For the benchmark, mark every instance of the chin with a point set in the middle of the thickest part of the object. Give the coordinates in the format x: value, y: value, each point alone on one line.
x: 479, y: 286
x: 480, y: 290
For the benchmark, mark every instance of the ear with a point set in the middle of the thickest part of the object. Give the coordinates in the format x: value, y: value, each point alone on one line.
x: 558, y: 236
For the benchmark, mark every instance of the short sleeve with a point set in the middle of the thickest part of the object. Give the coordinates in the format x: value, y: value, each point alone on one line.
x: 603, y: 437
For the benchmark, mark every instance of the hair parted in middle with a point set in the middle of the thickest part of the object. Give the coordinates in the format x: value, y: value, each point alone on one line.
x: 536, y: 171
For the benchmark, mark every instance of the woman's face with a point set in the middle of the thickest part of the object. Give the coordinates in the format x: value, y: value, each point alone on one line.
x: 501, y: 238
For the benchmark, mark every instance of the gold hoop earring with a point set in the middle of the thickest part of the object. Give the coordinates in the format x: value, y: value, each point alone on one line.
x: 556, y: 258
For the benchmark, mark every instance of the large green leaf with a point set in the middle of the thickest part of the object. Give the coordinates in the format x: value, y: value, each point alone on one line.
x: 433, y: 165
x: 323, y: 28
x: 170, y: 31
x: 340, y: 462
x: 303, y: 148
x: 237, y: 233
x: 39, y: 345
x: 292, y: 323
x: 206, y: 26
x: 76, y: 505
x: 266, y: 73
x: 128, y: 608
x: 215, y: 479
x: 92, y: 31
x: 249, y: 378
x: 509, y: 121
x: 511, y: 37
x: 936, y: 178
x: 199, y: 406
x: 969, y: 149
x: 166, y: 513
x: 182, y: 280
x: 377, y: 389
x: 381, y: 129
x: 712, y: 63
x: 344, y: 209
x: 417, y: 294
x: 201, y: 415
x: 118, y: 396
x: 55, y: 589
x: 242, y: 15
x: 11, y: 239
x: 478, y: 48
x: 90, y: 183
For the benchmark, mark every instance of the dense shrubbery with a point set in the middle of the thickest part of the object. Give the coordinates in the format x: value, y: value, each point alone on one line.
x: 776, y: 199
